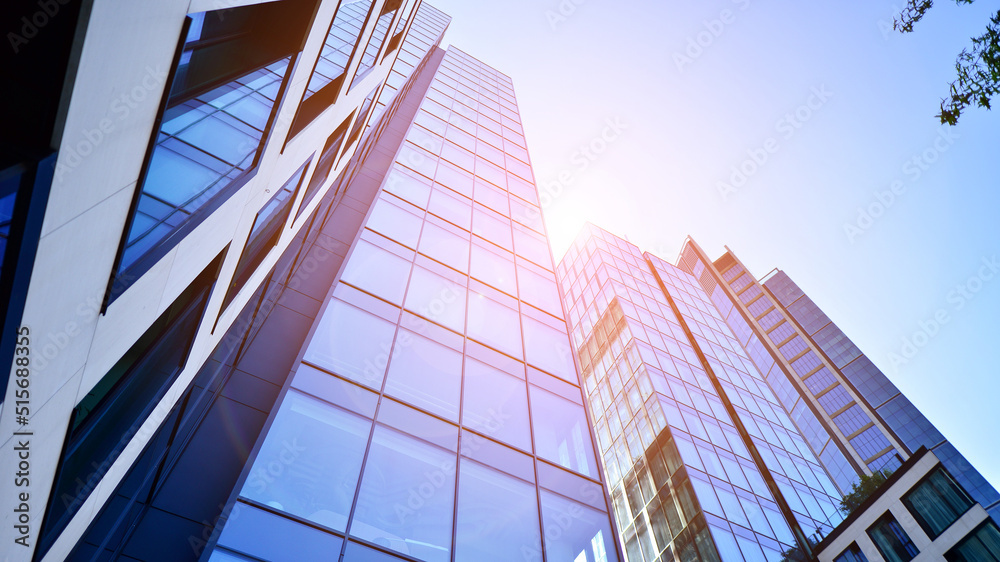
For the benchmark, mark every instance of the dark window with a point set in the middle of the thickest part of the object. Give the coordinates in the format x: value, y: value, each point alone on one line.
x: 891, y: 540
x: 8, y: 193
x: 229, y: 74
x: 328, y: 74
x: 107, y: 418
x: 377, y: 39
x: 851, y: 554
x: 359, y: 123
x: 266, y: 231
x: 981, y: 545
x: 325, y: 164
x: 937, y: 502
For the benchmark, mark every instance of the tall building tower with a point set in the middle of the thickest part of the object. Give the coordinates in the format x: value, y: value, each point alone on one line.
x: 856, y: 420
x: 434, y: 411
x: 289, y: 296
x: 732, y: 415
x: 702, y: 460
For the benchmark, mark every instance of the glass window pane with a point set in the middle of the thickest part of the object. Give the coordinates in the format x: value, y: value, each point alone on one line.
x: 548, y: 349
x: 851, y: 554
x: 310, y: 445
x: 981, y: 545
x: 751, y: 550
x: 251, y: 530
x: 575, y: 532
x: 417, y: 159
x: 352, y: 343
x: 462, y: 158
x: 493, y: 269
x: 937, y: 502
x: 494, y: 324
x: 561, y: 432
x: 497, y: 516
x: 377, y: 271
x: 496, y: 405
x: 393, y: 222
x: 492, y: 227
x: 532, y: 247
x: 408, y: 187
x: 425, y: 374
x: 492, y: 197
x: 731, y: 506
x: 539, y: 290
x: 445, y: 247
x: 453, y: 177
x: 407, y: 496
x: 425, y: 139
x: 453, y: 208
x: 891, y: 540
x: 726, y: 543
x: 436, y: 298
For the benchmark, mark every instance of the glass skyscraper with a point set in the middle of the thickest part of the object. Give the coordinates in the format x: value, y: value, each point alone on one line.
x: 855, y: 419
x: 731, y: 414
x: 702, y: 460
x: 435, y: 413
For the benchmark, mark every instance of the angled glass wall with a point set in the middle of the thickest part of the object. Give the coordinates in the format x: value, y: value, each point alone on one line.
x: 437, y: 414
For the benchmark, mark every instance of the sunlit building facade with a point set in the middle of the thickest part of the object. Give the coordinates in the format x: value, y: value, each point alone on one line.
x: 434, y: 412
x: 854, y: 418
x: 701, y: 459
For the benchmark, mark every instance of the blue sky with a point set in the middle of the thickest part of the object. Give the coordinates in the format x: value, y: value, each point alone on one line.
x: 640, y: 115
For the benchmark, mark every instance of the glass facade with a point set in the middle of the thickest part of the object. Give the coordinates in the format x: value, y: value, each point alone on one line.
x: 340, y: 42
x: 880, y: 400
x: 695, y: 444
x: 436, y: 413
x: 427, y: 26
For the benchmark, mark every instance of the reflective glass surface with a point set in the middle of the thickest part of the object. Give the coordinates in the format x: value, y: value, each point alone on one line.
x: 407, y: 496
x: 352, y: 343
x: 309, y: 445
x: 497, y: 515
x: 481, y: 446
x: 336, y: 51
x: 646, y: 383
x: 203, y: 145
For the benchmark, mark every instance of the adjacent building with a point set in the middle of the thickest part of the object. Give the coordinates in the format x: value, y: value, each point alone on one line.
x: 731, y: 414
x: 855, y: 419
x: 702, y: 460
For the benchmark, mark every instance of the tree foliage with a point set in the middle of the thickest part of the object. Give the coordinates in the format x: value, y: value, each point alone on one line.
x: 861, y: 490
x: 978, y: 69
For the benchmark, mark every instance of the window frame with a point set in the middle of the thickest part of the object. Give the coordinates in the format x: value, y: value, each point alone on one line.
x: 120, y: 280
x: 926, y: 480
x: 885, y: 520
